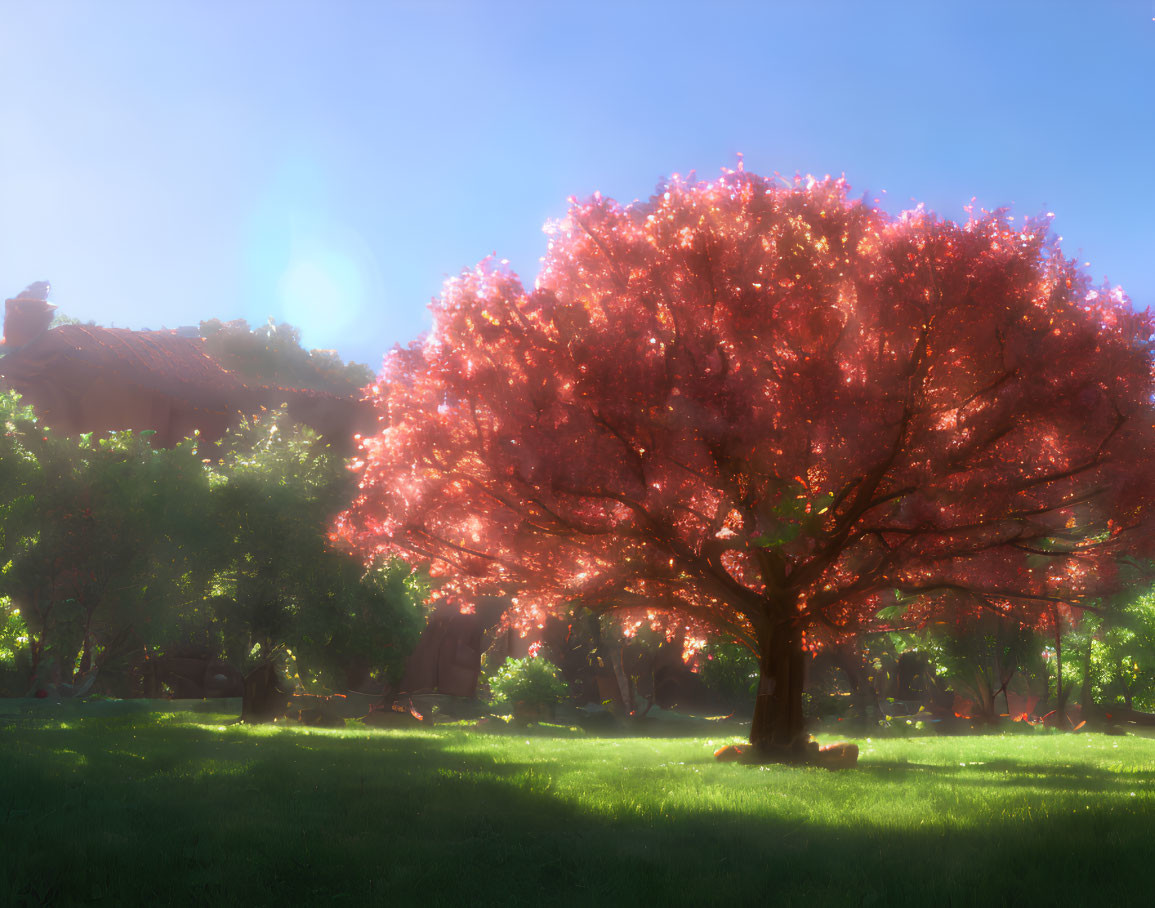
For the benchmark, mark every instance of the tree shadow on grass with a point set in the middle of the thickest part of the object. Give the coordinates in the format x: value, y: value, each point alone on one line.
x: 1055, y: 778
x: 185, y: 815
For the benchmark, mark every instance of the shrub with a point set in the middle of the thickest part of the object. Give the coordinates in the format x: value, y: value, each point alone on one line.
x: 533, y: 681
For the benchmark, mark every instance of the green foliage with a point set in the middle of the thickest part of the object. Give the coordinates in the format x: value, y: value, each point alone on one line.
x: 14, y: 661
x: 40, y: 533
x: 359, y: 624
x: 280, y: 583
x: 276, y: 487
x: 979, y: 661
x: 59, y: 318
x: 272, y: 354
x: 115, y: 551
x: 730, y: 669
x: 795, y: 513
x: 534, y: 681
x: 1121, y: 660
x: 13, y: 632
x: 99, y: 533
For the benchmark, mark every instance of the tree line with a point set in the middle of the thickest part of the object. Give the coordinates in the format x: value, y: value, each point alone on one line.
x: 114, y: 553
x: 748, y: 408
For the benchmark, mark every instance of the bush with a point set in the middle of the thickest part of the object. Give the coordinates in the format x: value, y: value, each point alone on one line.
x: 534, y: 681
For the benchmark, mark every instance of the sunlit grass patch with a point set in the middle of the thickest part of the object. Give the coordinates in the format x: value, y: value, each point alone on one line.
x: 190, y: 809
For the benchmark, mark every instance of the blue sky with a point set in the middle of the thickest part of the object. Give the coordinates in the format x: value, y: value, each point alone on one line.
x: 331, y: 163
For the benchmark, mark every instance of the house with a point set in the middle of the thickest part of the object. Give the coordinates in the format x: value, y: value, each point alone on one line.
x: 83, y: 378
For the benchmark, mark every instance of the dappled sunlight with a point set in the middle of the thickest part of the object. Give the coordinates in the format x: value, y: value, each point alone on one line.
x: 658, y: 815
x: 755, y: 537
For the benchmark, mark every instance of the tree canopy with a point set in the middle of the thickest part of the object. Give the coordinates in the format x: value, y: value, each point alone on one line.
x: 769, y: 409
x: 272, y: 354
x: 114, y: 551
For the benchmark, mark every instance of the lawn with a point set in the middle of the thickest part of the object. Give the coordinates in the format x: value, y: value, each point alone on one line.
x: 190, y: 810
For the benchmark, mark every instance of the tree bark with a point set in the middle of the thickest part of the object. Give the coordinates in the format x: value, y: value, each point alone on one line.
x: 778, y: 730
x: 263, y: 700
x: 1086, y: 695
x: 984, y: 698
x: 85, y: 655
x: 625, y: 689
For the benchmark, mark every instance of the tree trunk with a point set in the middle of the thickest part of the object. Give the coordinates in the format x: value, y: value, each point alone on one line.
x: 984, y: 698
x: 85, y: 655
x: 1060, y: 700
x: 1086, y: 695
x: 263, y: 700
x: 865, y: 694
x: 778, y: 730
x: 625, y: 689
x: 150, y: 683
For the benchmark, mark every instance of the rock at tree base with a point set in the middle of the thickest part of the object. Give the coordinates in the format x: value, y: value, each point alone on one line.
x: 394, y: 715
x: 842, y: 755
x: 331, y: 711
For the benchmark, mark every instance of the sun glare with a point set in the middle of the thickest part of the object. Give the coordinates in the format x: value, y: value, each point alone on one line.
x: 321, y: 292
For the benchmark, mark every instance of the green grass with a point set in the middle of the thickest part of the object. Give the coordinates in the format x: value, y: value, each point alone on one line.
x: 186, y: 810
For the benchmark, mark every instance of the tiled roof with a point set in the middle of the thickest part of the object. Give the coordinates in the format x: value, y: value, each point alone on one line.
x: 155, y: 360
x: 70, y: 357
x: 146, y: 356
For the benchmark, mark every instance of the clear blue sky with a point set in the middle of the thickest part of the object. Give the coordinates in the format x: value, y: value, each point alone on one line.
x: 330, y: 163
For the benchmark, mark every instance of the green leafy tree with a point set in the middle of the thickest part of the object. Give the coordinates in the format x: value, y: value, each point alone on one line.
x: 359, y: 626
x: 13, y: 649
x: 42, y: 526
x: 114, y: 552
x: 100, y: 539
x: 143, y: 554
x: 273, y: 487
x: 280, y: 585
x: 272, y: 354
x: 1116, y: 664
x: 730, y: 669
x: 982, y: 659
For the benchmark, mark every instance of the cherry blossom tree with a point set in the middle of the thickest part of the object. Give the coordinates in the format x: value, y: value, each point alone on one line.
x: 768, y: 410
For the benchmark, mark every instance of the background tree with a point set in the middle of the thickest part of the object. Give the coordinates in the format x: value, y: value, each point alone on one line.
x: 1112, y: 672
x: 765, y: 409
x: 45, y: 572
x: 279, y: 584
x: 99, y: 540
x: 141, y: 550
x: 272, y: 354
x: 981, y: 659
x: 19, y: 472
x: 115, y: 554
